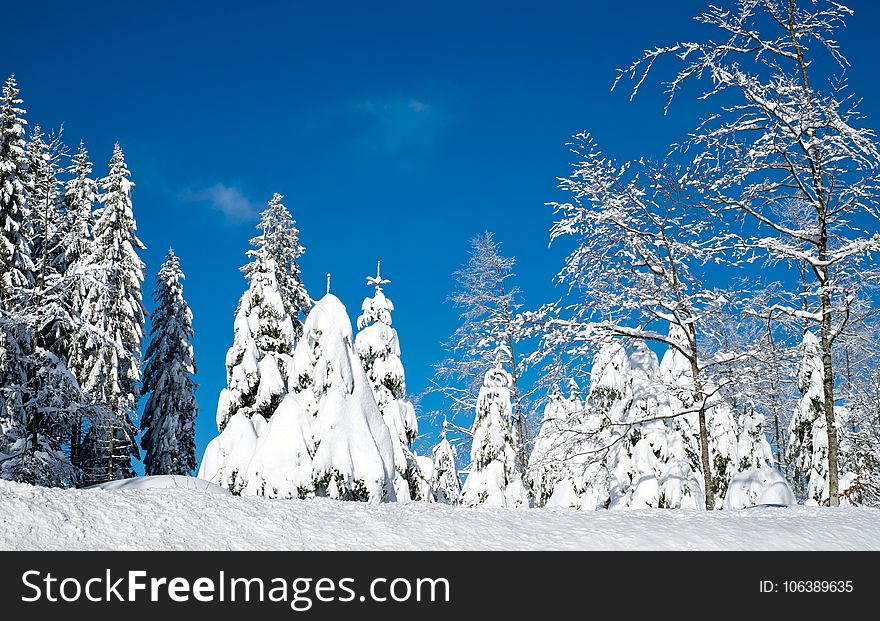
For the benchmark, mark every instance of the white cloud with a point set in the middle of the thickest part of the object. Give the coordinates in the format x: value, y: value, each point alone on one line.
x: 229, y: 200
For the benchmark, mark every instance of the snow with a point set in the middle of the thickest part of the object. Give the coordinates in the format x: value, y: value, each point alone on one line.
x: 758, y: 486
x: 163, y: 481
x: 178, y: 518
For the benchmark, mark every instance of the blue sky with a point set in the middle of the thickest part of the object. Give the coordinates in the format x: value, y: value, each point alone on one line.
x: 394, y: 131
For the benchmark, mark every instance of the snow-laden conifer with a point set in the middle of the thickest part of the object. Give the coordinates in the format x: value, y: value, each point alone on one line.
x: 168, y: 421
x: 258, y: 362
x: 807, y: 447
x: 113, y: 309
x: 445, y: 482
x: 327, y: 437
x: 16, y: 265
x: 494, y: 473
x: 378, y: 346
x: 280, y: 238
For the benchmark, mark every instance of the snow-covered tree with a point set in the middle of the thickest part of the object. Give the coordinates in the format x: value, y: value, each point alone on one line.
x: 489, y: 302
x: 378, y: 346
x: 258, y: 363
x: 280, y: 237
x: 495, y: 478
x: 807, y: 447
x: 642, y: 228
x: 16, y: 265
x: 168, y: 421
x: 113, y: 308
x: 80, y: 196
x: 560, y: 455
x: 654, y: 462
x: 327, y: 438
x: 783, y: 152
x: 445, y: 482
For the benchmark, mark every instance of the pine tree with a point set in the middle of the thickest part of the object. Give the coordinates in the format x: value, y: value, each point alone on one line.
x: 353, y: 458
x: 80, y: 196
x: 16, y: 268
x: 494, y: 475
x: 280, y: 238
x: 171, y: 409
x: 807, y: 447
x: 114, y: 311
x: 258, y: 363
x: 378, y: 346
x: 445, y: 483
x: 327, y: 438
x: 556, y: 469
x: 54, y: 286
x: 652, y: 463
x: 16, y: 265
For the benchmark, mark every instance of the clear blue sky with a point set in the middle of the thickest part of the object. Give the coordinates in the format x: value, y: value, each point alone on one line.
x: 394, y: 130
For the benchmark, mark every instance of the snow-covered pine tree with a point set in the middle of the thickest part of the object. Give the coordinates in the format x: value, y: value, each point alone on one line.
x: 280, y: 237
x: 80, y: 196
x: 807, y: 446
x: 113, y: 309
x: 494, y: 476
x: 46, y: 206
x: 327, y: 438
x: 445, y: 482
x: 378, y: 346
x: 168, y: 421
x: 16, y: 265
x: 258, y: 363
x: 16, y: 276
x: 556, y: 467
x: 54, y: 290
x: 52, y: 396
x: 651, y: 464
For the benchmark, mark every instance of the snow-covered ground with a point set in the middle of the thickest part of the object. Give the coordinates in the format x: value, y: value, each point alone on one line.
x: 182, y: 518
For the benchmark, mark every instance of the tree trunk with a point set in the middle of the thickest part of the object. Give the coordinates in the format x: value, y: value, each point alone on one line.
x: 111, y: 447
x: 699, y: 398
x: 828, y: 389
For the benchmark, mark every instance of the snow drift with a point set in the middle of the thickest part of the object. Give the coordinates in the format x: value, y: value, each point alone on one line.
x: 37, y: 518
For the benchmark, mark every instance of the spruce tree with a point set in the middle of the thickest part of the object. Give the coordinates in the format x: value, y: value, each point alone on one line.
x: 445, y: 483
x: 280, y: 238
x: 114, y: 311
x: 378, y: 346
x: 258, y: 363
x: 16, y: 272
x: 554, y: 469
x: 80, y: 196
x: 807, y: 448
x: 16, y: 265
x: 169, y: 414
x: 494, y: 477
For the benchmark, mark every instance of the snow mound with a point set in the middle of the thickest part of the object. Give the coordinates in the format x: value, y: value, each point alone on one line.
x: 166, y: 481
x: 758, y: 486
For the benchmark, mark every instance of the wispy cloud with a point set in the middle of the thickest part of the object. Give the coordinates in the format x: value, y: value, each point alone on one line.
x: 228, y: 200
x: 400, y: 123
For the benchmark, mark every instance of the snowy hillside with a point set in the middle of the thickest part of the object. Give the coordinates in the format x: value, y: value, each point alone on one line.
x: 36, y: 518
